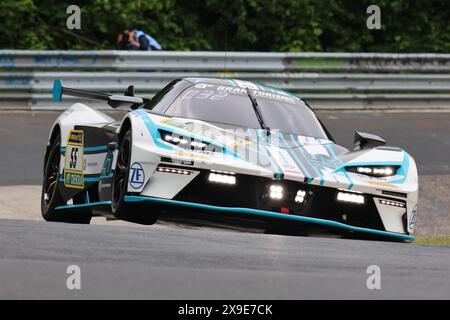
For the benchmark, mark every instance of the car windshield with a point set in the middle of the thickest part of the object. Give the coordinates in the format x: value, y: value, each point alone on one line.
x: 231, y: 106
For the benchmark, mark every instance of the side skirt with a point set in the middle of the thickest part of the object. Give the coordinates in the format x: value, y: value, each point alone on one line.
x: 83, y: 205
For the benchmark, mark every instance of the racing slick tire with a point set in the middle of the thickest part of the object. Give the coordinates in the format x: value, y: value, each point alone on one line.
x: 50, y: 195
x: 128, y: 211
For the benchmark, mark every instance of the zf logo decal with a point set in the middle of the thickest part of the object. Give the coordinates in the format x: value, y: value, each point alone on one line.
x: 137, y: 176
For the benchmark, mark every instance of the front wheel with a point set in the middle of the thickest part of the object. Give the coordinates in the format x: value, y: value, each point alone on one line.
x: 50, y: 195
x: 133, y: 212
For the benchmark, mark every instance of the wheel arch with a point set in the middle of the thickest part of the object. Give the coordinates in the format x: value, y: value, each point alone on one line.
x: 125, y: 126
x: 55, y: 131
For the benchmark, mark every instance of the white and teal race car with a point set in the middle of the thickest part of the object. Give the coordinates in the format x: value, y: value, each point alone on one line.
x: 224, y: 150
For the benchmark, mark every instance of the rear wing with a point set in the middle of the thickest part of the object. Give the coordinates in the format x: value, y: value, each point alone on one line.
x: 114, y: 101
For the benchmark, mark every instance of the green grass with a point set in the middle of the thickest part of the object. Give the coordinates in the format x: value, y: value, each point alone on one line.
x: 434, y: 241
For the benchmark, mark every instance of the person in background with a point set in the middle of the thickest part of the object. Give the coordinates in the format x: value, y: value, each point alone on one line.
x: 137, y: 40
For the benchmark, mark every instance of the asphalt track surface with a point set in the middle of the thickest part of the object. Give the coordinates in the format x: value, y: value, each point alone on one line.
x: 162, y: 262
x: 179, y: 262
x: 424, y: 135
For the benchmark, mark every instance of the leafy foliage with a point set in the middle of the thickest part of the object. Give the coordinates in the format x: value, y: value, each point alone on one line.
x: 234, y: 25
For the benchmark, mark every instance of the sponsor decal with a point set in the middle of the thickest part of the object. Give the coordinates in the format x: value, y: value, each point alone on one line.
x: 412, y: 219
x: 107, y: 165
x: 199, y: 129
x: 284, y: 160
x: 383, y: 184
x: 177, y: 124
x: 258, y: 93
x: 191, y: 155
x: 203, y: 86
x: 74, y: 160
x: 75, y: 137
x: 245, y: 84
x: 137, y: 176
x: 91, y: 164
x: 240, y: 142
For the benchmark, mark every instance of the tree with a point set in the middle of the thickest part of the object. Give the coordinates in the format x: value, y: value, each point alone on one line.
x: 235, y: 25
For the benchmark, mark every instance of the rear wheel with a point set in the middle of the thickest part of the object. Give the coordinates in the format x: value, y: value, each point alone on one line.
x: 50, y: 195
x: 129, y: 211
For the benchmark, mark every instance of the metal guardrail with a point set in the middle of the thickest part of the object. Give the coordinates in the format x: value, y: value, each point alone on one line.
x: 296, y: 82
x: 219, y: 61
x: 326, y: 80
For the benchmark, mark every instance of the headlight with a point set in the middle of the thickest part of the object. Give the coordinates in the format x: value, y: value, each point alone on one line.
x: 300, y: 196
x: 374, y: 171
x: 221, y: 178
x: 188, y: 142
x: 350, y: 197
x: 276, y: 192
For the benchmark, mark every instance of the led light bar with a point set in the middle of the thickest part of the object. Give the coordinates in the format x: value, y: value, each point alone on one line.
x: 173, y: 139
x: 173, y: 170
x: 186, y: 142
x: 350, y: 197
x: 378, y: 171
x: 224, y: 172
x: 383, y: 171
x: 276, y: 192
x: 221, y: 178
x: 393, y: 203
x: 375, y: 171
x: 197, y: 144
x: 300, y: 197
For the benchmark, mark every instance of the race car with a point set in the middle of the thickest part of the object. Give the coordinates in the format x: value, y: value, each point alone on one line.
x: 228, y: 150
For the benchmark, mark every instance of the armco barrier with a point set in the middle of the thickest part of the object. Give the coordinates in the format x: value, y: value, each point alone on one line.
x: 327, y: 80
x: 218, y: 61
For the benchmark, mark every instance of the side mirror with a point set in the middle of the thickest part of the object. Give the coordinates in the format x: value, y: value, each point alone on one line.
x: 366, y: 141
